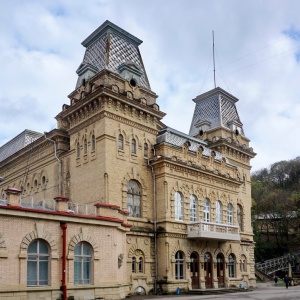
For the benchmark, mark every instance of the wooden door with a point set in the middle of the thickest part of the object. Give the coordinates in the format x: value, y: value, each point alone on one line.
x: 220, y: 270
x: 208, y: 270
x: 194, y: 269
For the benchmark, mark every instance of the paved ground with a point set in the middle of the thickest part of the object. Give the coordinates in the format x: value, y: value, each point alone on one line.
x: 264, y: 291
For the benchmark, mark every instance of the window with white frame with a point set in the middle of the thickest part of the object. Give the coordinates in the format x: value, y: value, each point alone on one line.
x: 193, y: 208
x: 120, y: 142
x: 178, y: 206
x: 38, y: 263
x: 231, y: 265
x: 146, y: 150
x: 179, y: 265
x: 83, y: 263
x: 219, y: 218
x: 133, y: 146
x: 240, y: 216
x: 85, y: 146
x: 206, y: 210
x: 133, y: 199
x: 78, y: 150
x: 230, y: 214
x: 93, y: 143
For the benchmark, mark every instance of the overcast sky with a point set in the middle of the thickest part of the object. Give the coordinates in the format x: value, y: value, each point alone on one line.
x: 257, y: 46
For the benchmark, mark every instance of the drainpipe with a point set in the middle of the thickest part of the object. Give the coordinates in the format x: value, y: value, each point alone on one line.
x: 155, y: 224
x: 59, y: 165
x: 64, y: 260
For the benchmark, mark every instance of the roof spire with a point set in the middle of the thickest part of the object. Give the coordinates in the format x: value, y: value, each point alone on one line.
x: 213, y: 36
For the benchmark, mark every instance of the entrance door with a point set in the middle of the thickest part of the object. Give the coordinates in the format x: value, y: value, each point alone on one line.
x: 194, y: 268
x: 220, y: 270
x: 208, y: 270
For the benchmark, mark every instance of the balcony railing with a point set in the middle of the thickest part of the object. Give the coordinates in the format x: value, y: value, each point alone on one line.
x: 209, y: 230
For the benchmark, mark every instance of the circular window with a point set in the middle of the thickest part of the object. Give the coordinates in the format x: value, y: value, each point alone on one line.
x: 132, y: 82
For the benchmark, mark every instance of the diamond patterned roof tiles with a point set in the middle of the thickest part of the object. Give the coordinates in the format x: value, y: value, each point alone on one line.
x: 109, y: 47
x: 216, y: 107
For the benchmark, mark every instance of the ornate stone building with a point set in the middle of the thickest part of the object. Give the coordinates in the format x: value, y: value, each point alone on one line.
x: 114, y: 202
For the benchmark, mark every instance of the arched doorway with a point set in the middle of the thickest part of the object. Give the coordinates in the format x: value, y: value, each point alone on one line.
x: 208, y: 270
x: 220, y: 270
x: 194, y: 269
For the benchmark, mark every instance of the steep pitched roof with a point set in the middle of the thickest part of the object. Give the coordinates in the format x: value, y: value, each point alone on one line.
x: 217, y: 109
x: 108, y: 47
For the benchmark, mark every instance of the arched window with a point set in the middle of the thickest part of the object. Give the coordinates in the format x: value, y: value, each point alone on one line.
x: 93, y: 142
x: 120, y: 142
x: 85, y: 146
x: 145, y: 150
x: 78, y: 149
x: 193, y: 208
x: 141, y: 265
x: 133, y: 146
x: 243, y: 263
x: 178, y: 206
x: 219, y: 217
x: 231, y: 265
x: 206, y: 210
x: 133, y: 199
x: 240, y: 216
x: 179, y: 265
x: 133, y: 265
x: 38, y: 263
x: 83, y: 263
x: 230, y: 214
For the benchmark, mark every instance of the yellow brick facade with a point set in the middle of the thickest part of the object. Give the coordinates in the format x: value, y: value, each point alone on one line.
x: 83, y: 160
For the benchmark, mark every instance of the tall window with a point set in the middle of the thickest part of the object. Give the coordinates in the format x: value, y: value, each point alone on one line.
x: 93, y: 142
x: 141, y: 265
x: 178, y: 206
x: 193, y: 208
x: 230, y: 214
x: 78, y: 149
x: 137, y: 264
x: 179, y: 265
x: 206, y: 210
x: 85, y: 146
x: 133, y: 146
x: 240, y: 216
x: 83, y: 263
x: 219, y: 218
x: 231, y: 265
x: 120, y: 142
x: 133, y: 199
x: 145, y: 150
x: 133, y: 265
x: 38, y: 263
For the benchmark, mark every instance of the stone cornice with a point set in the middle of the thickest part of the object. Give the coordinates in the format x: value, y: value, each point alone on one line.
x: 109, y: 115
x: 194, y: 169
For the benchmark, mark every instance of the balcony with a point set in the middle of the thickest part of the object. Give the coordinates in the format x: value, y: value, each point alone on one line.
x: 209, y: 230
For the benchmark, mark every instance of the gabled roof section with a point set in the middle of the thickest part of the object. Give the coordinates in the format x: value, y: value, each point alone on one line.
x: 214, y: 109
x: 17, y: 143
x: 108, y: 47
x: 177, y: 138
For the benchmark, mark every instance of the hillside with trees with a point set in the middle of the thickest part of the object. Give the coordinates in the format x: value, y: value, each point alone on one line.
x: 276, y: 209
